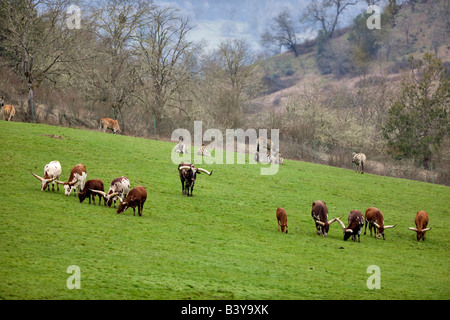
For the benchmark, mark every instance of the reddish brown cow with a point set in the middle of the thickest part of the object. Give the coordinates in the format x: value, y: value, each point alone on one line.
x: 135, y: 198
x: 76, y: 180
x: 282, y: 220
x: 108, y: 123
x: 319, y: 213
x: 87, y: 192
x: 374, y: 218
x: 421, y: 225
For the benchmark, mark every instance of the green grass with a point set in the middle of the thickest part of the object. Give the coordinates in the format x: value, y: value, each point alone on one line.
x: 222, y: 243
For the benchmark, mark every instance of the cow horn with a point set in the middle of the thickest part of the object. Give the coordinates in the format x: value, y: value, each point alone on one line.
x: 205, y: 171
x: 376, y: 224
x: 112, y: 195
x: 59, y: 182
x: 320, y: 222
x: 184, y: 167
x: 426, y: 229
x: 387, y: 227
x: 333, y: 220
x: 99, y: 192
x: 413, y: 229
x: 341, y: 223
x: 40, y: 178
x: 349, y: 230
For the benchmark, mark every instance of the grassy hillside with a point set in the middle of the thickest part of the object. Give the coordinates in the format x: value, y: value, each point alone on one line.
x: 222, y: 243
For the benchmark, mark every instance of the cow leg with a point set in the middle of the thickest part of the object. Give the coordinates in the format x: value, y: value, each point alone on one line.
x: 134, y: 211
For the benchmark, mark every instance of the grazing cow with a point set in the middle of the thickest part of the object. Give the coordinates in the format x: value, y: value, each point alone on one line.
x: 8, y: 110
x: 52, y: 172
x: 203, y: 152
x: 108, y: 123
x: 76, y: 180
x: 188, y: 173
x: 374, y: 218
x: 135, y: 198
x: 319, y: 213
x: 359, y: 159
x: 119, y: 188
x: 421, y: 225
x: 87, y: 191
x: 355, y: 224
x: 282, y: 220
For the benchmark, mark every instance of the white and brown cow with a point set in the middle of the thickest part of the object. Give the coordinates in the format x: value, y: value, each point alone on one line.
x: 52, y: 172
x: 359, y: 159
x: 76, y: 180
x: 119, y: 188
x: 355, y: 224
x: 108, y: 123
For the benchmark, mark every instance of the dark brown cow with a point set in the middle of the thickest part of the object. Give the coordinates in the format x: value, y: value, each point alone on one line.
x: 87, y: 192
x: 374, y: 218
x: 282, y: 220
x: 421, y: 225
x: 135, y: 198
x: 319, y: 213
x: 355, y: 224
x: 188, y: 173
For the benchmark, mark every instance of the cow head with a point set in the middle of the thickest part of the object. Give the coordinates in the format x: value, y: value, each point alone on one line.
x: 44, y: 181
x: 380, y: 229
x: 123, y: 205
x: 420, y: 233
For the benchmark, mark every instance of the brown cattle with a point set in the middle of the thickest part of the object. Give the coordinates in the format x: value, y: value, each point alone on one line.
x: 355, y: 224
x: 421, y: 225
x: 135, y: 198
x: 282, y: 220
x: 8, y: 110
x: 319, y: 213
x: 87, y: 191
x: 108, y: 123
x: 374, y: 218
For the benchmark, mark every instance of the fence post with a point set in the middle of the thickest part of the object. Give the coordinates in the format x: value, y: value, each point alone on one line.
x: 314, y: 147
x: 73, y: 111
x: 353, y: 164
x: 154, y: 125
x: 431, y: 167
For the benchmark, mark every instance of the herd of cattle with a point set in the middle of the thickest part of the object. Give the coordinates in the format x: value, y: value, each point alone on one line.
x: 136, y: 197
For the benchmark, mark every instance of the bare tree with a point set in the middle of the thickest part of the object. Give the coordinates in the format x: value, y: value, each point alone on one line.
x: 283, y: 32
x: 166, y: 57
x: 326, y: 13
x: 116, y: 23
x: 36, y: 31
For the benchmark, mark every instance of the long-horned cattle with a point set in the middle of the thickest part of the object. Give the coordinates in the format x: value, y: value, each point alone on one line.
x: 282, y: 220
x: 76, y: 180
x: 118, y: 189
x: 359, y: 159
x: 135, y: 198
x: 108, y: 123
x: 375, y: 219
x: 188, y: 173
x: 355, y: 224
x: 421, y: 225
x: 87, y: 191
x: 319, y: 213
x: 52, y: 172
x: 8, y: 110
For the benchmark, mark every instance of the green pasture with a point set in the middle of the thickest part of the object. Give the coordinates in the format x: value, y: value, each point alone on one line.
x: 222, y: 243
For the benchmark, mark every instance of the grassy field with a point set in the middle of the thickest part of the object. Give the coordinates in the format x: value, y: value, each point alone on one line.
x: 222, y: 243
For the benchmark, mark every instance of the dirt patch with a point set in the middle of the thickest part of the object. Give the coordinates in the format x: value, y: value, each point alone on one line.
x: 54, y: 136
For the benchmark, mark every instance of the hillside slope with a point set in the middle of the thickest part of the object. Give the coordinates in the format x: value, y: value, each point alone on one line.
x: 222, y: 243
